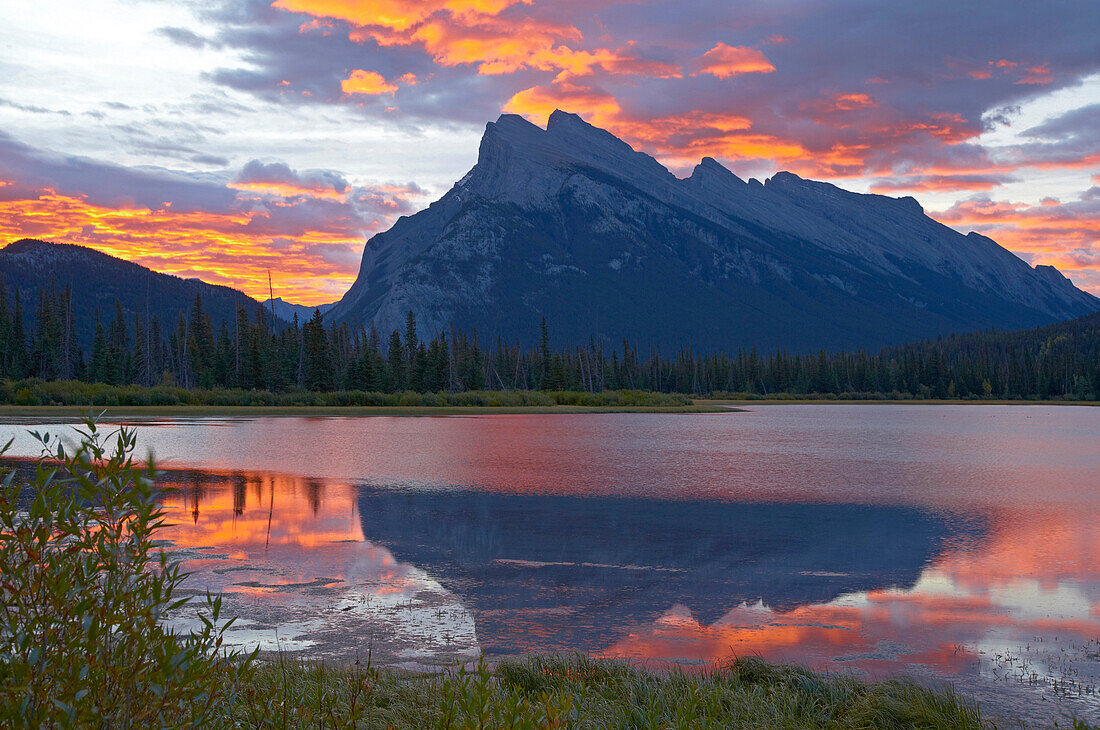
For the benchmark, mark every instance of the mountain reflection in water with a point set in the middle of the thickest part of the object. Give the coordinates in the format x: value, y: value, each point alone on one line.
x: 422, y: 577
x: 947, y: 542
x: 568, y: 573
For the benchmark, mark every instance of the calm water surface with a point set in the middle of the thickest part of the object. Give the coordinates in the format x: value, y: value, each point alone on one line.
x: 952, y: 542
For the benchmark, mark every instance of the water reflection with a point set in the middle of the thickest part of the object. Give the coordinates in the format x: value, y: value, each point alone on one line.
x: 1006, y: 606
x: 953, y: 542
x: 569, y: 573
x: 290, y: 558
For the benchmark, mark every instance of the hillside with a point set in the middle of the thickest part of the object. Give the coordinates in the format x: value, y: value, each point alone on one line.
x: 97, y: 280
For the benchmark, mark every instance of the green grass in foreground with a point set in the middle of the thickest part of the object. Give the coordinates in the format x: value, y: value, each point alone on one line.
x: 580, y: 692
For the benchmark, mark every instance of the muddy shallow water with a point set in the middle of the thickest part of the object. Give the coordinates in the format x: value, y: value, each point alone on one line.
x: 951, y: 543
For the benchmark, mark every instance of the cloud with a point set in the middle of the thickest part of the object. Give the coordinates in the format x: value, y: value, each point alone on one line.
x: 397, y: 15
x: 1070, y: 140
x: 939, y: 183
x: 1036, y: 75
x: 597, y: 107
x: 184, y: 37
x: 1065, y: 235
x: 370, y: 83
x: 307, y: 227
x: 32, y: 109
x: 277, y: 178
x: 880, y: 96
x: 725, y: 61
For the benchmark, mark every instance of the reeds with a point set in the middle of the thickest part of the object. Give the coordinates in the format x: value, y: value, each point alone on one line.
x: 581, y: 692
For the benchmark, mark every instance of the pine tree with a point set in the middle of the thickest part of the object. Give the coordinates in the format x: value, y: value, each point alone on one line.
x: 395, y: 358
x: 318, y: 360
x: 101, y: 368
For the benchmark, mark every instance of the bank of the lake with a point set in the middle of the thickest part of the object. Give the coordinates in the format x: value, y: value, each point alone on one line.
x: 11, y: 414
x: 812, y: 400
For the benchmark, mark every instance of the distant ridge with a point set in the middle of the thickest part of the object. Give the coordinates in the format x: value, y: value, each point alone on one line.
x: 571, y: 224
x: 98, y: 279
x: 285, y: 310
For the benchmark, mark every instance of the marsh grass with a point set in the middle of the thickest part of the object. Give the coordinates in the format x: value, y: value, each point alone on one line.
x: 582, y: 692
x: 35, y: 392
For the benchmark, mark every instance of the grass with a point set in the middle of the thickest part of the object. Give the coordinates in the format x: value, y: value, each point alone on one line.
x: 840, y: 400
x: 138, y: 412
x: 581, y: 692
x: 31, y: 396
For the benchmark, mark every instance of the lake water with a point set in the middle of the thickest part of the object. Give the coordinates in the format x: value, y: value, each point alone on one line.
x: 959, y: 543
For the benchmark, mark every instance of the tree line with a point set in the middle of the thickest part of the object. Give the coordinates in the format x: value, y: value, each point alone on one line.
x: 257, y: 352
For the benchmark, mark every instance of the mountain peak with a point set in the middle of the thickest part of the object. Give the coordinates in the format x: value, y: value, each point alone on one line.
x: 783, y: 178
x: 710, y: 167
x: 24, y: 245
x: 518, y: 159
x: 559, y: 117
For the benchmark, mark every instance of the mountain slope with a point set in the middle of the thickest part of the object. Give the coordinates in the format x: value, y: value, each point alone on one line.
x: 98, y: 279
x: 572, y: 224
x: 285, y: 310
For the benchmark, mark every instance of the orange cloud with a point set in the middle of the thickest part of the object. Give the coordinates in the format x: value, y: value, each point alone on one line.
x: 394, y: 14
x: 310, y: 264
x: 936, y: 183
x: 1036, y: 75
x: 839, y: 102
x: 457, y: 32
x: 1064, y: 235
x: 370, y: 83
x: 725, y: 61
x: 287, y: 190
x: 847, y: 102
x: 679, y: 140
x: 597, y: 107
x: 1046, y: 228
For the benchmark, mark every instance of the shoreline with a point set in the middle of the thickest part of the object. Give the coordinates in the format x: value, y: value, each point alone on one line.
x: 887, y: 402
x: 15, y: 413
x: 8, y: 412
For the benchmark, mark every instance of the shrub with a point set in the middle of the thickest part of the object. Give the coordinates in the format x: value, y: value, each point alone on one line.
x: 84, y: 595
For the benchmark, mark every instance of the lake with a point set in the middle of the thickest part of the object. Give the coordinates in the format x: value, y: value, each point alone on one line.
x: 950, y: 543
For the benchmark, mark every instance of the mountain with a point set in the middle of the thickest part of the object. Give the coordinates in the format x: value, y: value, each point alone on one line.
x: 572, y: 224
x: 285, y: 310
x: 98, y: 279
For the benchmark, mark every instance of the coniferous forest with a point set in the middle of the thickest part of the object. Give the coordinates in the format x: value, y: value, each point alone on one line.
x: 256, y: 353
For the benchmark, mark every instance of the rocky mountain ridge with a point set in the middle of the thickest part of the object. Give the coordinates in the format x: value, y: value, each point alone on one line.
x: 573, y: 224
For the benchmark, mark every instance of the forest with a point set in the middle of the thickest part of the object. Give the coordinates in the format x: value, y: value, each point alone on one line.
x: 256, y: 352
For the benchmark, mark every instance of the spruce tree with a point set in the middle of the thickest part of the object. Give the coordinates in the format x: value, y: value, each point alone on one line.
x: 395, y: 358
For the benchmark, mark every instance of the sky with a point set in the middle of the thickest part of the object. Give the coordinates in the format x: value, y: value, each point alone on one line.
x: 225, y: 139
